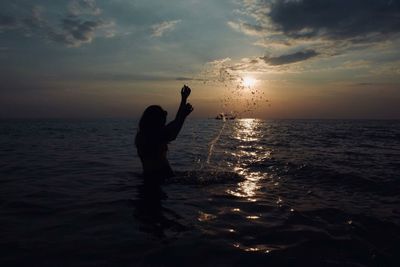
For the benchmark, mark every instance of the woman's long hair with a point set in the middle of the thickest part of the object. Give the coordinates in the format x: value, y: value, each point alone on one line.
x: 151, y: 125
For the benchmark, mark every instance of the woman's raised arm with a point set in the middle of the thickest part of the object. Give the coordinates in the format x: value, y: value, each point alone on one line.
x: 175, y: 126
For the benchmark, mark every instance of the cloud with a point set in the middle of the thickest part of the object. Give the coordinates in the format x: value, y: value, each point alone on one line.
x: 73, y: 32
x: 337, y: 20
x: 354, y: 20
x: 358, y: 64
x: 289, y: 58
x: 247, y: 28
x: 323, y: 28
x: 80, y: 25
x: 34, y: 22
x: 165, y: 26
x: 83, y: 7
x: 76, y: 31
x: 7, y: 22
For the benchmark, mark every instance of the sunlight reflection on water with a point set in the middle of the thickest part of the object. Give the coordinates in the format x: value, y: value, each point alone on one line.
x: 247, y: 132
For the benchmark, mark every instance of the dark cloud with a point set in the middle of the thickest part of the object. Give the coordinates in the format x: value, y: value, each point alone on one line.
x: 76, y: 31
x: 336, y: 19
x: 331, y: 27
x: 7, y: 22
x: 72, y: 29
x: 289, y: 58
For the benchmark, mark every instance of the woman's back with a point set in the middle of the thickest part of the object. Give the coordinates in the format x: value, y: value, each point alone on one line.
x: 152, y: 149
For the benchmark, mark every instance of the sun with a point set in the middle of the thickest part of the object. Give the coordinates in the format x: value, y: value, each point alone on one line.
x: 249, y: 81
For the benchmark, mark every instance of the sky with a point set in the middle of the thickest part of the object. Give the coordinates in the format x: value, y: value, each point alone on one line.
x: 271, y: 59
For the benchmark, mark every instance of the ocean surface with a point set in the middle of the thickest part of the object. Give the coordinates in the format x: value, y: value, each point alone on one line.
x: 247, y: 193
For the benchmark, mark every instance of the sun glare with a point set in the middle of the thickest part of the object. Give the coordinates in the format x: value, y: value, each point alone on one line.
x: 249, y: 81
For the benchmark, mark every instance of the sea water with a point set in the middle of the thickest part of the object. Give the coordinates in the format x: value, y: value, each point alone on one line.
x: 247, y: 192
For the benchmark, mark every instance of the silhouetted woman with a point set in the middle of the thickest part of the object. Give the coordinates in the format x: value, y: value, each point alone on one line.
x: 153, y: 137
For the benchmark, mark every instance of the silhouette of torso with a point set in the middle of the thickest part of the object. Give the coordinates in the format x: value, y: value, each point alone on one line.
x: 152, y: 150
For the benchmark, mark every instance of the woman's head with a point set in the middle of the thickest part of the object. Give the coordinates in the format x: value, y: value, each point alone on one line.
x: 153, y: 119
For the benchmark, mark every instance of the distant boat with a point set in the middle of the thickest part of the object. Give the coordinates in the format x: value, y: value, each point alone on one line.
x: 223, y: 116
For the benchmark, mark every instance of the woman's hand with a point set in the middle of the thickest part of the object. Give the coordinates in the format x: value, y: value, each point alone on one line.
x: 188, y: 108
x: 185, y: 92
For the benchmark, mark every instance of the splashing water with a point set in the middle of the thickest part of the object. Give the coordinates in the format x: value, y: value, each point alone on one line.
x: 212, y: 144
x: 242, y: 95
